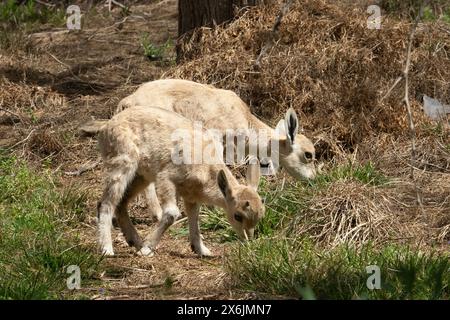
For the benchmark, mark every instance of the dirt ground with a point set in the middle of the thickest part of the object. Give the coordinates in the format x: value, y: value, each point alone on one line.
x: 65, y: 79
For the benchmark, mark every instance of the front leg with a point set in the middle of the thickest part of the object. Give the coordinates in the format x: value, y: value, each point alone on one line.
x: 192, y: 212
x: 170, y: 214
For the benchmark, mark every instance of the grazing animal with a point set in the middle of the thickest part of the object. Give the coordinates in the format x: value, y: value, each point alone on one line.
x: 224, y: 110
x: 137, y: 147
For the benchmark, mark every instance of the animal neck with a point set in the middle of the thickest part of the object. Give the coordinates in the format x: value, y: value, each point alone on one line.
x: 256, y: 124
x: 272, y: 140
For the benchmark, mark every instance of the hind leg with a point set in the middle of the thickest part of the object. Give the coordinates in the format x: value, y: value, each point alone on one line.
x: 115, y: 223
x: 123, y: 219
x: 112, y: 196
x: 153, y: 202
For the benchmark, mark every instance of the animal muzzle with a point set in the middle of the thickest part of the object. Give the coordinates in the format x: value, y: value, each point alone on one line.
x: 248, y: 234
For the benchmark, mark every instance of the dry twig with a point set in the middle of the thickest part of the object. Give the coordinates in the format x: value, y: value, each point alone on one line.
x: 84, y: 168
x: 405, y: 76
x: 11, y: 113
x: 22, y: 141
x: 407, y: 103
x: 110, y: 2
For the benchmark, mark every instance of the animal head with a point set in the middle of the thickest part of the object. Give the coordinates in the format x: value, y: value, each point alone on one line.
x: 244, y: 207
x: 297, y: 153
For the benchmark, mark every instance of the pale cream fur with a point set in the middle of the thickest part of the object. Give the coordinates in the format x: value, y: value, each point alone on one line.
x: 136, y: 146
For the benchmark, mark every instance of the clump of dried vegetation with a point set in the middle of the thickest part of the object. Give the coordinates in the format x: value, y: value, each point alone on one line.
x: 349, y: 212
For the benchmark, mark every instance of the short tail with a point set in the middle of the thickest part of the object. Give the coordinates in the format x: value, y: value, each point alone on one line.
x: 92, y: 128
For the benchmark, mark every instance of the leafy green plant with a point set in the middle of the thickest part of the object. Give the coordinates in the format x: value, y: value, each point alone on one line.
x: 365, y: 173
x: 435, y: 9
x: 153, y: 51
x: 18, y: 19
x: 27, y: 14
x: 446, y: 16
x: 428, y: 14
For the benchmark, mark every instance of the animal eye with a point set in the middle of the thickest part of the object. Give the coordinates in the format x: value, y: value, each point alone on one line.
x: 308, y: 155
x: 238, y: 217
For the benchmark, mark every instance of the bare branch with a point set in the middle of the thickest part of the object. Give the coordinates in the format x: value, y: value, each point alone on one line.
x: 270, y: 42
x: 110, y: 2
x: 280, y: 16
x: 50, y: 5
x: 392, y: 87
x: 406, y: 101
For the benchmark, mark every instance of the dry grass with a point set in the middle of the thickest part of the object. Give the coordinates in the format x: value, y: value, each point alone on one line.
x: 432, y: 171
x: 45, y: 143
x: 393, y: 154
x: 27, y: 99
x: 326, y: 63
x: 349, y: 212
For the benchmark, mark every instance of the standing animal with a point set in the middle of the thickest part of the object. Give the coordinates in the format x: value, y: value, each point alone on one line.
x: 224, y: 110
x: 137, y: 147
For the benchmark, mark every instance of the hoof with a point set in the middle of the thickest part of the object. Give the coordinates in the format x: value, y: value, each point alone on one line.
x: 146, y: 252
x: 202, y: 252
x: 205, y: 253
x: 108, y: 252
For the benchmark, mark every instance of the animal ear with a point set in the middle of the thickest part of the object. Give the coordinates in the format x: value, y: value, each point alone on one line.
x: 253, y: 174
x: 291, y: 125
x: 222, y: 181
x: 280, y: 128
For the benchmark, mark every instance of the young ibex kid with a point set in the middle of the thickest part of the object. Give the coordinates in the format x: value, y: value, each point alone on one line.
x: 137, y: 146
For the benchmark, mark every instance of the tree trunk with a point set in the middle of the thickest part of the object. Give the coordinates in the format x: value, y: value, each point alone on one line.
x: 198, y: 13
